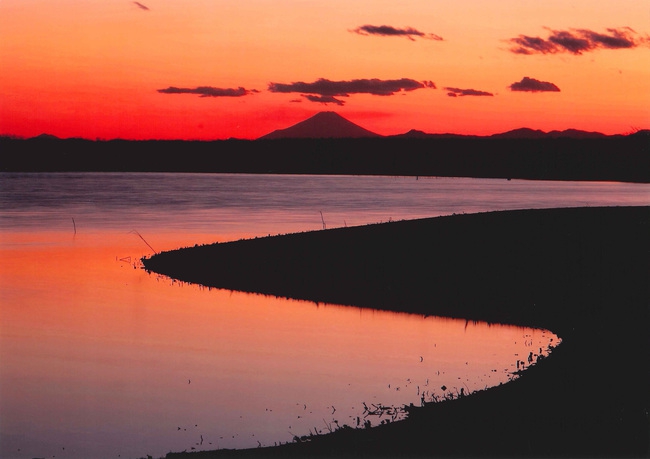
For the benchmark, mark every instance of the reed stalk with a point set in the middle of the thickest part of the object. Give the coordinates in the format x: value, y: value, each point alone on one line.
x: 144, y: 240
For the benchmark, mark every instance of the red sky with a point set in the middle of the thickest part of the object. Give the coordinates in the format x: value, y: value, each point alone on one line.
x: 199, y: 69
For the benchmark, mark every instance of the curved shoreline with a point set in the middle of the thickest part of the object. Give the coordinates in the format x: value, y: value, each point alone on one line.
x: 580, y: 272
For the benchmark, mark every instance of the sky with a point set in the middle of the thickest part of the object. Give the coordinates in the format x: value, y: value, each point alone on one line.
x: 216, y: 69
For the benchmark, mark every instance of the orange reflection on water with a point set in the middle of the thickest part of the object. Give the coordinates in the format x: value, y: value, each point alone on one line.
x: 103, y: 359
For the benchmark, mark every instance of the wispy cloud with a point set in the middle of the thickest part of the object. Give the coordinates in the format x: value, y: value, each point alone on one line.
x: 533, y: 85
x: 374, y: 86
x: 455, y: 92
x: 209, y: 91
x: 323, y: 99
x: 577, y: 41
x: 390, y: 31
x: 328, y: 92
x: 141, y: 6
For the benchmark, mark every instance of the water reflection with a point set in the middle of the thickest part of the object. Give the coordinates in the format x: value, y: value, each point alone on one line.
x: 100, y: 359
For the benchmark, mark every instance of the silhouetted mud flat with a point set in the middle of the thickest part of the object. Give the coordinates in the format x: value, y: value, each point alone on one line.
x: 582, y: 273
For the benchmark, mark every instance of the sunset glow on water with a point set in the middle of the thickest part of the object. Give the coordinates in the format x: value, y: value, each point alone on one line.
x: 104, y: 360
x: 101, y: 358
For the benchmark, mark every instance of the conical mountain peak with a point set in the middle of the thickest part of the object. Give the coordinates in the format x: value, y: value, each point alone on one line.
x: 323, y: 125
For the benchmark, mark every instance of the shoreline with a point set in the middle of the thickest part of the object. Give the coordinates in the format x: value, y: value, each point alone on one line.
x: 579, y: 272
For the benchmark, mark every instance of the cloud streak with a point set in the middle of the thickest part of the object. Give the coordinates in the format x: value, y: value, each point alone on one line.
x: 141, y: 6
x: 328, y: 92
x: 374, y: 86
x: 209, y: 91
x: 390, y: 31
x: 533, y: 85
x: 455, y: 92
x: 323, y: 99
x: 577, y: 41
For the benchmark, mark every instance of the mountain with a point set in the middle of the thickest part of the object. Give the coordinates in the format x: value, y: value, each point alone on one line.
x: 576, y: 134
x: 323, y: 125
x: 46, y: 137
x: 527, y: 133
x: 416, y: 134
x: 521, y: 133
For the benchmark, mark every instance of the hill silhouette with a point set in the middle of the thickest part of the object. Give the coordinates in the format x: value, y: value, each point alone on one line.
x: 527, y: 133
x: 417, y: 134
x: 520, y: 133
x: 323, y: 125
x: 546, y: 156
x: 331, y: 125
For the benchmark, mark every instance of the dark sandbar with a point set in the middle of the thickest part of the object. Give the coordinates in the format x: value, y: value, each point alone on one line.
x: 582, y: 273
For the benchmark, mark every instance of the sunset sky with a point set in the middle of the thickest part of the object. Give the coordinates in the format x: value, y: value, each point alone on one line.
x: 214, y: 69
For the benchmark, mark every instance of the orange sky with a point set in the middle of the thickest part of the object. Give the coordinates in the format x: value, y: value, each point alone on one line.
x: 95, y: 68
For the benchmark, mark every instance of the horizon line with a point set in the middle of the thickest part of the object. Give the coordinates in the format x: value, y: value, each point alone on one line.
x: 48, y: 136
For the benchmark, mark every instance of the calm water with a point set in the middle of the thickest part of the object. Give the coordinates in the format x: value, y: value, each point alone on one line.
x: 100, y: 359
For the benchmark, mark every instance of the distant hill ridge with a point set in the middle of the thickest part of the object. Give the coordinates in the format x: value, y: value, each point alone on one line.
x: 527, y: 133
x: 332, y: 125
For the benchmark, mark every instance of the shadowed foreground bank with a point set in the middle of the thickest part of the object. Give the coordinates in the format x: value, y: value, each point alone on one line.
x: 582, y: 273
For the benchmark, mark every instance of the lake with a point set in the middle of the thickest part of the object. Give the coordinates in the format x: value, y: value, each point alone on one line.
x: 100, y: 359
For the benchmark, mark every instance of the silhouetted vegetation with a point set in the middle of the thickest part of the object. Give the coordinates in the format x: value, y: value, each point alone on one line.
x: 582, y: 273
x: 620, y: 158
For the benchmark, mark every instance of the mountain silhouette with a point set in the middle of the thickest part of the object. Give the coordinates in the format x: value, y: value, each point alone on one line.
x: 521, y: 133
x: 45, y: 136
x: 417, y: 134
x: 323, y: 125
x: 527, y: 133
x: 576, y: 134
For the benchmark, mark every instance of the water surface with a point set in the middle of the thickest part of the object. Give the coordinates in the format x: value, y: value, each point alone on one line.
x: 248, y: 204
x: 100, y: 359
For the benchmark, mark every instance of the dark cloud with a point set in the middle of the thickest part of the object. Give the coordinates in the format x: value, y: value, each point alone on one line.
x: 453, y: 92
x: 390, y: 31
x: 566, y: 41
x: 616, y: 40
x: 377, y: 87
x: 576, y: 41
x: 531, y: 45
x: 533, y: 85
x: 209, y: 91
x: 141, y: 6
x: 323, y: 99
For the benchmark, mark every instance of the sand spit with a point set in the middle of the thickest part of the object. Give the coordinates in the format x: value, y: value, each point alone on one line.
x: 581, y: 272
